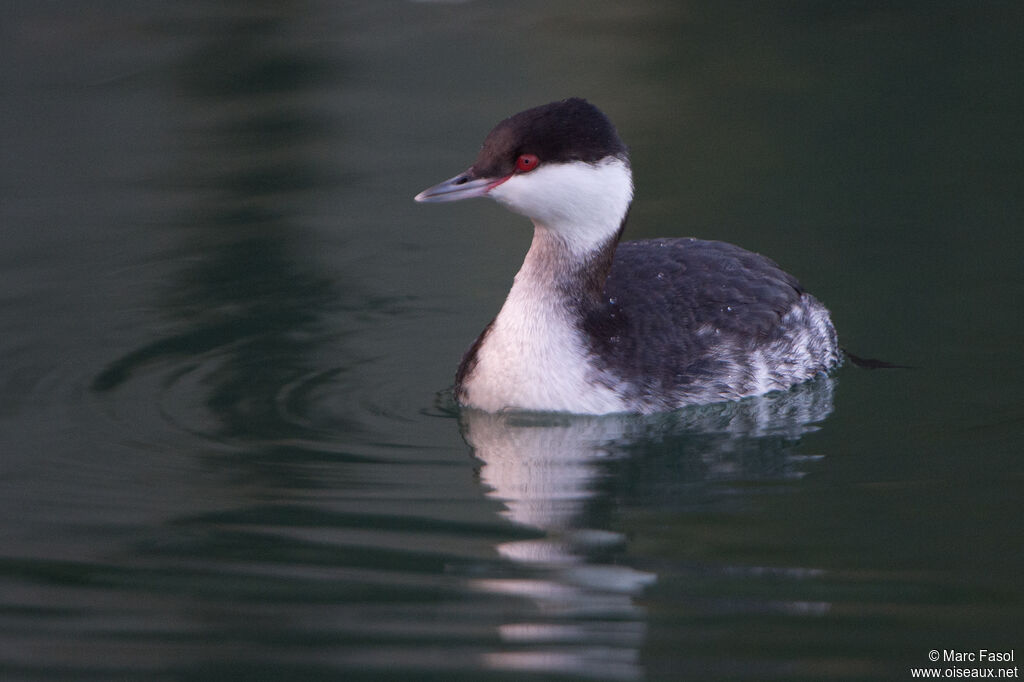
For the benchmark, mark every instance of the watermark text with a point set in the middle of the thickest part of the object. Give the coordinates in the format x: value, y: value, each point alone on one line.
x: 973, y: 664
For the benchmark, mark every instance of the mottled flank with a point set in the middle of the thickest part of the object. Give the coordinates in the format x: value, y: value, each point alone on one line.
x: 686, y: 321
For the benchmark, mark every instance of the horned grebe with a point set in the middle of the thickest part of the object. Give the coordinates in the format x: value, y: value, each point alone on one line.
x: 592, y: 326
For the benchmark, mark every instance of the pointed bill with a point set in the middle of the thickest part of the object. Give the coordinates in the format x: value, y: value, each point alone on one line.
x: 462, y: 186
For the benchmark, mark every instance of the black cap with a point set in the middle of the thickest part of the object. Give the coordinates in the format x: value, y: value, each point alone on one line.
x: 560, y: 132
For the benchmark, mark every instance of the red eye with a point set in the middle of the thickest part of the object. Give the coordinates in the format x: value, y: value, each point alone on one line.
x: 527, y: 162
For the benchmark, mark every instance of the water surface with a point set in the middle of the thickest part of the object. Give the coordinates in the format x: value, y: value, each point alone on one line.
x: 226, y: 451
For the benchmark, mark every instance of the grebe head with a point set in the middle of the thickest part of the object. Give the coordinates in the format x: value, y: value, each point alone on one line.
x: 562, y: 165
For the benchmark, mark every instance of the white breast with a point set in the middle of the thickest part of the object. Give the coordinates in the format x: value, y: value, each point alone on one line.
x: 534, y: 359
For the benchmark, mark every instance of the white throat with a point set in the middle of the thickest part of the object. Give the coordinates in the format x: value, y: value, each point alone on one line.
x: 533, y: 357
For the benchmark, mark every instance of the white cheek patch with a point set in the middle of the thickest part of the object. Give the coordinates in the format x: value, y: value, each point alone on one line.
x: 581, y: 203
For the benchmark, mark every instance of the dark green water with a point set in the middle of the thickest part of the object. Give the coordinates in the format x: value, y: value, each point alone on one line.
x: 224, y: 327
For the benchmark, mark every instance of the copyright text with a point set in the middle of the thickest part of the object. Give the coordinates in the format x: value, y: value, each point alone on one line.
x: 959, y: 664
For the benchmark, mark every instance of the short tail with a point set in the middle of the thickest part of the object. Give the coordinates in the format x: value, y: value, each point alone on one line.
x: 872, y: 363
